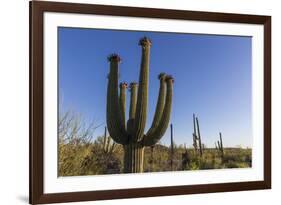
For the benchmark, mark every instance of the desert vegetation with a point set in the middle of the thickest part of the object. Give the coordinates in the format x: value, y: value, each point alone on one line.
x: 81, y: 154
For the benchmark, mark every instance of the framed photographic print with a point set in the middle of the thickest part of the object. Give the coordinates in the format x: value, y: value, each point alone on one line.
x: 139, y: 102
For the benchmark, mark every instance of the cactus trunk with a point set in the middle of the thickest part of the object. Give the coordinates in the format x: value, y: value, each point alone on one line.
x: 194, y: 135
x: 172, y: 147
x: 220, y: 146
x: 133, y: 158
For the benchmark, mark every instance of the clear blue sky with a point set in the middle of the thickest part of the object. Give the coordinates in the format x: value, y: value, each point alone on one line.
x: 212, y: 79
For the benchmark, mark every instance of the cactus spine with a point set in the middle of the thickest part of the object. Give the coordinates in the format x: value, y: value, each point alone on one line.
x: 131, y: 134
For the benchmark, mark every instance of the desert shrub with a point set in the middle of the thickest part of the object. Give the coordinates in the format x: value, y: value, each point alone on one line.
x: 231, y: 164
x: 99, y: 162
x: 80, y: 154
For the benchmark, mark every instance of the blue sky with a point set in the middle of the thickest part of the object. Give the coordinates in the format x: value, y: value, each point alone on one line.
x: 212, y: 79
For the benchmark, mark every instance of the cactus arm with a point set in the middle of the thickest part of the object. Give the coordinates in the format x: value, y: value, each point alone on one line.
x: 112, y: 107
x: 199, y: 137
x: 194, y: 126
x: 122, y: 103
x: 154, y: 137
x: 221, y: 141
x: 160, y: 104
x: 222, y: 151
x: 142, y: 101
x: 132, y: 111
x: 133, y: 99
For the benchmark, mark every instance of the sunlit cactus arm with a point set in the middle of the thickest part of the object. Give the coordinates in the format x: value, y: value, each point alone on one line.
x: 112, y: 107
x: 154, y: 137
x: 160, y: 103
x: 142, y: 100
x: 133, y: 102
x: 122, y: 104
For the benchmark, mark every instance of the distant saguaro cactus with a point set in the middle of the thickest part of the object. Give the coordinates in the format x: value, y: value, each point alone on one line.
x: 108, y: 144
x: 131, y: 134
x: 220, y: 146
x: 197, y: 144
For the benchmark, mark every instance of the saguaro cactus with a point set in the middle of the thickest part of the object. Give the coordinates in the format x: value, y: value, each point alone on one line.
x: 108, y: 145
x: 220, y: 146
x: 131, y: 134
x: 194, y: 136
x: 197, y: 144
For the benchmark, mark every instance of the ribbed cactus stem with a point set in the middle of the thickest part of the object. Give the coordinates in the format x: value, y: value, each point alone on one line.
x: 160, y: 104
x: 142, y: 101
x: 133, y: 158
x: 132, y: 112
x: 122, y: 103
x: 112, y: 106
x: 155, y: 136
x: 133, y: 100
